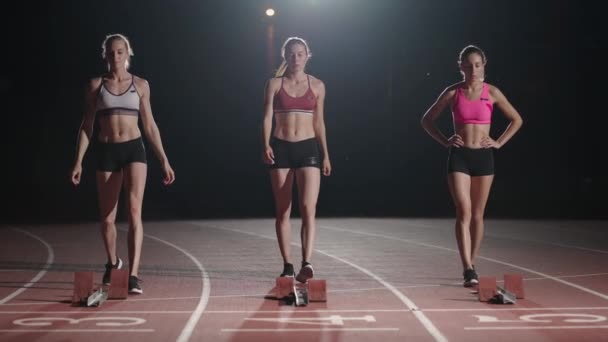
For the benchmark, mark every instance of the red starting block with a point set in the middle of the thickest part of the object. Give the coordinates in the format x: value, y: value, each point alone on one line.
x: 314, y: 290
x: 486, y: 288
x: 489, y: 291
x: 119, y: 286
x: 514, y: 283
x: 83, y: 287
x: 85, y: 294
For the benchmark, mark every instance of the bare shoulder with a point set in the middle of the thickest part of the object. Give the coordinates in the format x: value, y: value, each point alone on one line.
x: 493, y: 89
x: 273, y: 84
x: 450, y: 90
x: 317, y: 85
x: 316, y: 82
x: 452, y: 87
x: 141, y: 85
x: 140, y: 82
x: 495, y: 93
x: 274, y: 81
x: 94, y: 83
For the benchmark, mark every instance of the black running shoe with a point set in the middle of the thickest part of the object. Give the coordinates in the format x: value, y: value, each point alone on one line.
x: 288, y: 270
x: 107, y: 275
x: 306, y: 272
x: 470, y: 277
x: 134, y: 287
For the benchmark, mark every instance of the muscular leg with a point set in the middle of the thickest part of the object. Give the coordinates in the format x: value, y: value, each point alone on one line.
x: 309, y: 181
x: 460, y: 188
x: 135, y: 182
x: 282, y: 185
x: 480, y: 191
x: 108, y: 192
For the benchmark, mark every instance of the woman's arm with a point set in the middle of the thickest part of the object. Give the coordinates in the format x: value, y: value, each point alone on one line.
x: 151, y: 129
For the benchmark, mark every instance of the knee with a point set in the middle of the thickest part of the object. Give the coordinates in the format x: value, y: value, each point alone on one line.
x: 282, y: 215
x: 283, y: 211
x: 134, y: 213
x: 463, y: 214
x: 108, y: 223
x: 477, y: 216
x: 308, y: 210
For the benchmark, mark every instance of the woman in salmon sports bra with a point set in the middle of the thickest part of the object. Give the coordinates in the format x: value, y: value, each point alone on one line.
x: 296, y: 149
x: 118, y: 99
x: 470, y: 164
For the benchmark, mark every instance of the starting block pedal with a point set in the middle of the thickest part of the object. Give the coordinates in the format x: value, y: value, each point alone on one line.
x: 97, y: 297
x: 85, y: 294
x: 314, y: 290
x: 503, y: 297
x: 513, y: 289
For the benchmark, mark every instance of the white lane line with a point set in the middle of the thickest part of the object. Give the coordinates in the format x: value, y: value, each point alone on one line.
x: 548, y: 243
x: 83, y: 312
x: 75, y: 330
x: 310, y: 330
x: 426, y: 225
x: 544, y: 275
x: 428, y: 325
x: 49, y: 261
x: 205, y: 292
x: 557, y: 327
x: 508, y: 309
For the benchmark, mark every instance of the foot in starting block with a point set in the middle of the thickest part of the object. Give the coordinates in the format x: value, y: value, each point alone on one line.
x: 314, y: 290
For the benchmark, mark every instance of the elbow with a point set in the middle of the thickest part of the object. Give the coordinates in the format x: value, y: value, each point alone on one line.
x: 424, y: 122
x: 150, y: 130
x: 318, y: 126
x: 87, y: 130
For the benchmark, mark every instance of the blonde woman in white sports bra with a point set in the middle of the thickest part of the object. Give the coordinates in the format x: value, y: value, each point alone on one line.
x: 116, y: 101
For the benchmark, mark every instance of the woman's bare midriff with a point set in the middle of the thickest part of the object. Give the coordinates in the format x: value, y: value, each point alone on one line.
x: 472, y: 134
x: 292, y: 126
x: 118, y: 128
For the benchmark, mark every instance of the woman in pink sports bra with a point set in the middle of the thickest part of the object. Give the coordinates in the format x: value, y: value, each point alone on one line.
x: 470, y: 164
x: 296, y: 149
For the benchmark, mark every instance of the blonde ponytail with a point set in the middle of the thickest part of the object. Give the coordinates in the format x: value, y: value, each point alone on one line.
x: 281, y: 70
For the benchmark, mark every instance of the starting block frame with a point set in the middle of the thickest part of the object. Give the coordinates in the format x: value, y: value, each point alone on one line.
x: 298, y: 294
x: 86, y: 294
x: 513, y: 289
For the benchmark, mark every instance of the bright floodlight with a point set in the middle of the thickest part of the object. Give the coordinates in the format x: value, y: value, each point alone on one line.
x: 270, y: 12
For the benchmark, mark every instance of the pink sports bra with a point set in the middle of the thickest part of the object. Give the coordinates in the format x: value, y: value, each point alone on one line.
x: 467, y: 111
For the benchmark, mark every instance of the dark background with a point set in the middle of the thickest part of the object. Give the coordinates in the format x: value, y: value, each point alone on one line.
x: 383, y: 62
